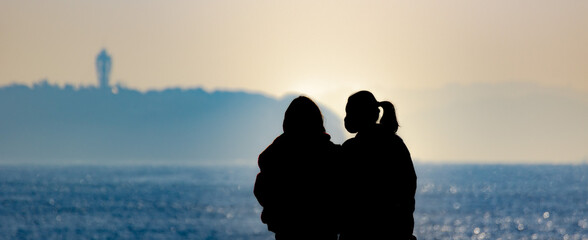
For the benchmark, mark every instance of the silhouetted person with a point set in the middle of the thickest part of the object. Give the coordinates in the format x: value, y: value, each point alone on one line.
x: 379, y: 181
x: 295, y: 184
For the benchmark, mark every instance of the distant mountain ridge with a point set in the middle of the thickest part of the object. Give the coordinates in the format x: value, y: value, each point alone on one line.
x: 50, y: 124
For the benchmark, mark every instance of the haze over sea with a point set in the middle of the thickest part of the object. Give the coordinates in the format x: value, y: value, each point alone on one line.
x: 115, y: 163
x: 179, y: 202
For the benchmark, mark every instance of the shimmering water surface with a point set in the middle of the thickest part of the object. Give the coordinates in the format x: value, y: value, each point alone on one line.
x: 453, y: 202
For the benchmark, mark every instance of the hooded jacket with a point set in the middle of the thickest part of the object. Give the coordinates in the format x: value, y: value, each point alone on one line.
x: 296, y: 184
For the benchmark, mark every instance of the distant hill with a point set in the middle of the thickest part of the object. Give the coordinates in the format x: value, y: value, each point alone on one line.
x: 510, y: 122
x: 50, y: 124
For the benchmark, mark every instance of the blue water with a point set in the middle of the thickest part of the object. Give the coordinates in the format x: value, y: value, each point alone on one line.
x: 453, y: 202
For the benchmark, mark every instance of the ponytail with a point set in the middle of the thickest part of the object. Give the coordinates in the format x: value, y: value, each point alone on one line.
x: 389, y: 119
x: 363, y: 111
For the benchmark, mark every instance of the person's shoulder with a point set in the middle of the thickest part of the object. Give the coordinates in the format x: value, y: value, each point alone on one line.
x: 273, y: 147
x: 399, y: 145
x: 326, y: 138
x: 350, y: 143
x: 333, y: 147
x: 397, y: 138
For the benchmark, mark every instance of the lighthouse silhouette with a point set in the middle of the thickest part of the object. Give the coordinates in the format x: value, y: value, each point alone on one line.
x: 103, y: 66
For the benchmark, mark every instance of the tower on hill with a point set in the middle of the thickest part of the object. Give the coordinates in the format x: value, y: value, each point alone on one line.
x: 103, y: 66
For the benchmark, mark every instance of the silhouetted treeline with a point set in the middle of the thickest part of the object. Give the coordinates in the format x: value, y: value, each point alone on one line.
x: 50, y: 123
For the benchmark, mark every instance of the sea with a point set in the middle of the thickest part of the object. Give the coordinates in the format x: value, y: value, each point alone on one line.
x: 217, y: 202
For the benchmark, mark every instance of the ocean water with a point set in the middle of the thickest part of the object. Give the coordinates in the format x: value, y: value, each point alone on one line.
x: 167, y: 202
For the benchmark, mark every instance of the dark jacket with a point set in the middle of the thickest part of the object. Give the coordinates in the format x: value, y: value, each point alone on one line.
x: 295, y: 185
x: 379, y: 184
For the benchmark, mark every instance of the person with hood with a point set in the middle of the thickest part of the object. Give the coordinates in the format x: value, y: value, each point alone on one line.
x: 296, y: 185
x: 379, y: 180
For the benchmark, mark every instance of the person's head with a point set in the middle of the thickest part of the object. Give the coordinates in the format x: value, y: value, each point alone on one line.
x: 363, y: 111
x: 303, y: 117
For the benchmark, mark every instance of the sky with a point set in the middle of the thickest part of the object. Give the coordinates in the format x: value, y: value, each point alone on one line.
x: 444, y: 64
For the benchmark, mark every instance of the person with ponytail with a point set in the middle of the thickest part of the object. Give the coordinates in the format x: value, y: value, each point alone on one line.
x: 296, y: 186
x: 379, y: 181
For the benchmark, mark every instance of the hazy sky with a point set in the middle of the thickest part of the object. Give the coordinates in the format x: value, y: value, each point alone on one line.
x: 325, y: 49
